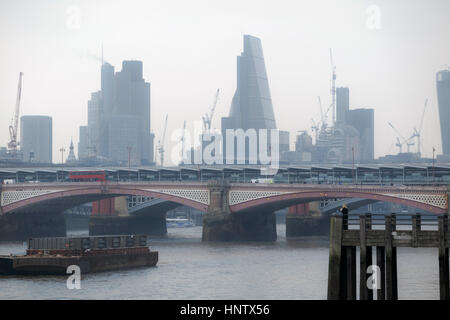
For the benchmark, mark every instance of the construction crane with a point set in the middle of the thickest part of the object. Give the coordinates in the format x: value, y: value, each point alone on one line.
x: 407, y: 142
x: 323, y: 116
x: 183, y: 141
x: 207, y: 118
x: 333, y: 87
x: 13, y: 128
x: 417, y: 132
x: 399, y: 145
x: 316, y: 127
x: 161, y: 143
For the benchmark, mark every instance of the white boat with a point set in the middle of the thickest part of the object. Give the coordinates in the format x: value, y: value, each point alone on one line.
x: 179, y: 223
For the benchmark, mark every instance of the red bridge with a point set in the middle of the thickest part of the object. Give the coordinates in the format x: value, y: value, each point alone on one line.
x: 220, y: 200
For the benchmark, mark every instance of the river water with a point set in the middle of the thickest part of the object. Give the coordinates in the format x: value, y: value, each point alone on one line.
x: 191, y: 269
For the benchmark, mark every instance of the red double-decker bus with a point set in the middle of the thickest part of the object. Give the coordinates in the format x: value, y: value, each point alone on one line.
x: 77, y: 176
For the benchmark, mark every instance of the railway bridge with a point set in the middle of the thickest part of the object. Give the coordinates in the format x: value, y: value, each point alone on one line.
x: 234, y: 211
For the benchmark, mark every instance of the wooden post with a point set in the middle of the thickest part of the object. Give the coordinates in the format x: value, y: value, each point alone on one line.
x: 345, y: 264
x: 368, y: 254
x: 415, y: 223
x: 334, y: 263
x: 394, y: 260
x: 363, y: 290
x: 351, y: 273
x: 443, y: 259
x: 381, y: 291
x: 391, y: 260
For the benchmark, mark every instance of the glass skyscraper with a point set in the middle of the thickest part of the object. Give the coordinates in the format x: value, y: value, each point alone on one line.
x: 443, y: 93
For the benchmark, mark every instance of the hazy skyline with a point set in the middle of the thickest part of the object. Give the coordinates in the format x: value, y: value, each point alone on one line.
x: 189, y: 49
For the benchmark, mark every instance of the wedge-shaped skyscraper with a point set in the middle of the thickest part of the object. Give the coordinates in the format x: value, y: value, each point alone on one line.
x: 252, y: 104
x: 251, y: 107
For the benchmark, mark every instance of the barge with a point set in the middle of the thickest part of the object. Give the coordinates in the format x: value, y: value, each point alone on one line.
x: 52, y: 256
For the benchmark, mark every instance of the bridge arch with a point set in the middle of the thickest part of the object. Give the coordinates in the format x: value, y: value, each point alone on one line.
x: 280, y: 201
x: 62, y: 200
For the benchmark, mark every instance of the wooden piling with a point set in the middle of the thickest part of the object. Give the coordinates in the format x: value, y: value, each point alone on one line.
x: 334, y: 264
x: 363, y: 290
x: 415, y: 223
x: 443, y: 259
x: 351, y: 272
x: 391, y: 260
x: 381, y: 291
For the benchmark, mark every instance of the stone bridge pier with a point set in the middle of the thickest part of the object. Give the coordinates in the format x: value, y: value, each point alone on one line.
x: 24, y: 225
x: 111, y: 216
x: 220, y: 224
x: 305, y: 219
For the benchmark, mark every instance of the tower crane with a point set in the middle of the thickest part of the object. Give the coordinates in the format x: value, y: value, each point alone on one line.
x: 323, y: 116
x: 399, y: 145
x: 208, y: 117
x: 407, y: 142
x: 333, y: 87
x: 183, y: 142
x: 417, y: 132
x: 316, y: 127
x: 13, y: 128
x: 161, y: 143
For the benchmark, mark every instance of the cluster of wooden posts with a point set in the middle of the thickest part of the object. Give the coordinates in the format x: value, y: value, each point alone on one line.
x: 342, y: 257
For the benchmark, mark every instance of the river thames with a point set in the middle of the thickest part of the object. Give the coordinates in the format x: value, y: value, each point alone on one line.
x: 191, y: 269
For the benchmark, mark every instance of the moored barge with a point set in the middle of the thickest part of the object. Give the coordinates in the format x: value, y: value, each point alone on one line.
x: 90, y: 254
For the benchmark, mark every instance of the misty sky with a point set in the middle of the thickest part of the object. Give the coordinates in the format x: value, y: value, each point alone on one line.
x: 189, y: 49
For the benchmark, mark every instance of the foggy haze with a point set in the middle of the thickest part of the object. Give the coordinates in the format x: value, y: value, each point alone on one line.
x: 189, y: 49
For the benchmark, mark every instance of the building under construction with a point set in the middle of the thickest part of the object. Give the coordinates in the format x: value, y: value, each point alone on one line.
x: 349, y: 138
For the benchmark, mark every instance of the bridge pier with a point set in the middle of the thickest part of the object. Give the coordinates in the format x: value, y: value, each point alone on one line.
x: 219, y: 224
x: 305, y: 220
x: 111, y: 216
x: 239, y: 227
x: 25, y: 225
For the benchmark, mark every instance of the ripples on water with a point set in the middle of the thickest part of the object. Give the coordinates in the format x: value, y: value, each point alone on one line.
x: 190, y: 269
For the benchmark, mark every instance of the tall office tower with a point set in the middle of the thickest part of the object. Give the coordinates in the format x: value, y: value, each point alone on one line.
x: 36, y: 138
x: 443, y: 93
x: 342, y: 104
x: 83, y: 148
x: 119, y: 117
x: 131, y: 115
x: 251, y: 106
x: 363, y: 121
x: 94, y: 118
x: 107, y: 98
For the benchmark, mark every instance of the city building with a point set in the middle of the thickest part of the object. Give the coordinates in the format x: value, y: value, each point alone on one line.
x: 342, y: 104
x: 363, y: 121
x: 36, y: 138
x: 118, y: 129
x: 251, y: 107
x: 443, y: 93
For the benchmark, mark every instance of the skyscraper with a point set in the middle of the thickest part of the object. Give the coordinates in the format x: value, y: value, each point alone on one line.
x: 251, y: 107
x: 363, y: 121
x: 36, y: 138
x: 443, y: 93
x: 119, y: 117
x: 342, y: 104
x: 252, y: 104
